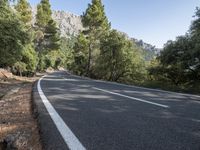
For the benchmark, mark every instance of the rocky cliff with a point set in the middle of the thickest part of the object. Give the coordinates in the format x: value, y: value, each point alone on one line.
x: 68, y: 23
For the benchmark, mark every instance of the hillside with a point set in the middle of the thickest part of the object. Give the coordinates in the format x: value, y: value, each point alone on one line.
x: 149, y: 50
x: 70, y: 25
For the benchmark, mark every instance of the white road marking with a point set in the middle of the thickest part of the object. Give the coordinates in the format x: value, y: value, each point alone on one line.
x: 70, y: 139
x: 138, y: 87
x: 133, y: 98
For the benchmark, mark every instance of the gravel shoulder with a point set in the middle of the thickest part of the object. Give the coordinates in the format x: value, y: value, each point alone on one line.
x: 18, y: 124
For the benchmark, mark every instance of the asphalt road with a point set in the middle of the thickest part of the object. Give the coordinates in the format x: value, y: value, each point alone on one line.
x: 109, y: 116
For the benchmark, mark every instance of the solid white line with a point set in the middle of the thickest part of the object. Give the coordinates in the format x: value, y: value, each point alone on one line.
x: 70, y: 139
x: 133, y: 98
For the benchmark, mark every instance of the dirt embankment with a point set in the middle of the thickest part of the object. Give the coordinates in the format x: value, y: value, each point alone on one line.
x: 18, y: 127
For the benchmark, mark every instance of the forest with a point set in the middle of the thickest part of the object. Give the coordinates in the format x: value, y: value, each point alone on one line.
x: 98, y: 52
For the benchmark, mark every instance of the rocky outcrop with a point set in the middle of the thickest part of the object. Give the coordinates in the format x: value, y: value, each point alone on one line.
x: 149, y: 51
x: 68, y: 23
x: 4, y: 74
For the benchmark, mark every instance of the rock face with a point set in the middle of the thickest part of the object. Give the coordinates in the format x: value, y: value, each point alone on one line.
x: 68, y: 23
x: 150, y: 51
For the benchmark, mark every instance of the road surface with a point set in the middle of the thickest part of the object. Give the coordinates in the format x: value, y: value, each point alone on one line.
x: 79, y: 113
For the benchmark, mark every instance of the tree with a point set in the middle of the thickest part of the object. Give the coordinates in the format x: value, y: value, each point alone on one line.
x: 52, y: 36
x: 43, y: 14
x: 176, y: 61
x: 28, y: 56
x: 119, y: 60
x: 195, y: 39
x: 180, y: 59
x: 24, y: 10
x: 13, y: 36
x: 97, y: 25
x: 80, y: 55
x: 47, y: 34
x: 66, y: 47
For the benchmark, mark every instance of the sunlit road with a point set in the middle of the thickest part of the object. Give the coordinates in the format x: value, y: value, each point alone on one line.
x: 77, y: 113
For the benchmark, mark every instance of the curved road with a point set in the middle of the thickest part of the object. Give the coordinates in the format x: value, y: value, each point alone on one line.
x: 78, y: 113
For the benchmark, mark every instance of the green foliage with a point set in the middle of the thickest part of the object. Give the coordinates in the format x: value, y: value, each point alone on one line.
x: 13, y: 36
x: 47, y: 38
x: 97, y: 25
x: 3, y: 3
x: 43, y: 14
x: 66, y: 47
x: 29, y: 57
x: 80, y: 55
x: 119, y: 60
x: 24, y: 10
x: 20, y: 67
x: 180, y: 59
x: 104, y: 54
x: 95, y: 19
x: 42, y: 63
x: 195, y: 41
x: 54, y: 59
x: 52, y: 36
x: 43, y: 21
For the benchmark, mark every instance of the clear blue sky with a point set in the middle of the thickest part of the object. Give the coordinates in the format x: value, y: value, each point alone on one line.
x: 154, y: 21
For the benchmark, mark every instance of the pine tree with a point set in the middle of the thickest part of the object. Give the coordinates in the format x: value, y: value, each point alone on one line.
x: 52, y: 36
x: 195, y: 27
x: 47, y: 34
x: 43, y: 14
x: 97, y: 25
x: 13, y: 36
x: 29, y: 56
x: 80, y: 55
x: 24, y: 10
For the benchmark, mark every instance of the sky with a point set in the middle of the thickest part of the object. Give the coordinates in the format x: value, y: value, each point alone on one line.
x: 153, y: 21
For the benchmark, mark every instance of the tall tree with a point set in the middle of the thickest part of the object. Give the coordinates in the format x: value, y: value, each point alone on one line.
x: 43, y: 14
x: 29, y: 57
x: 96, y: 24
x: 80, y: 55
x: 195, y: 39
x: 47, y: 34
x: 52, y: 36
x: 13, y: 36
x: 24, y: 10
x: 119, y: 60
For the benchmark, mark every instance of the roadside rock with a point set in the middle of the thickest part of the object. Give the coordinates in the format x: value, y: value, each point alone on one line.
x: 4, y: 74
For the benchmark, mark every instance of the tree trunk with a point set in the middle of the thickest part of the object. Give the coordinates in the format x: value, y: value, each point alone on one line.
x: 89, y: 60
x: 20, y: 73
